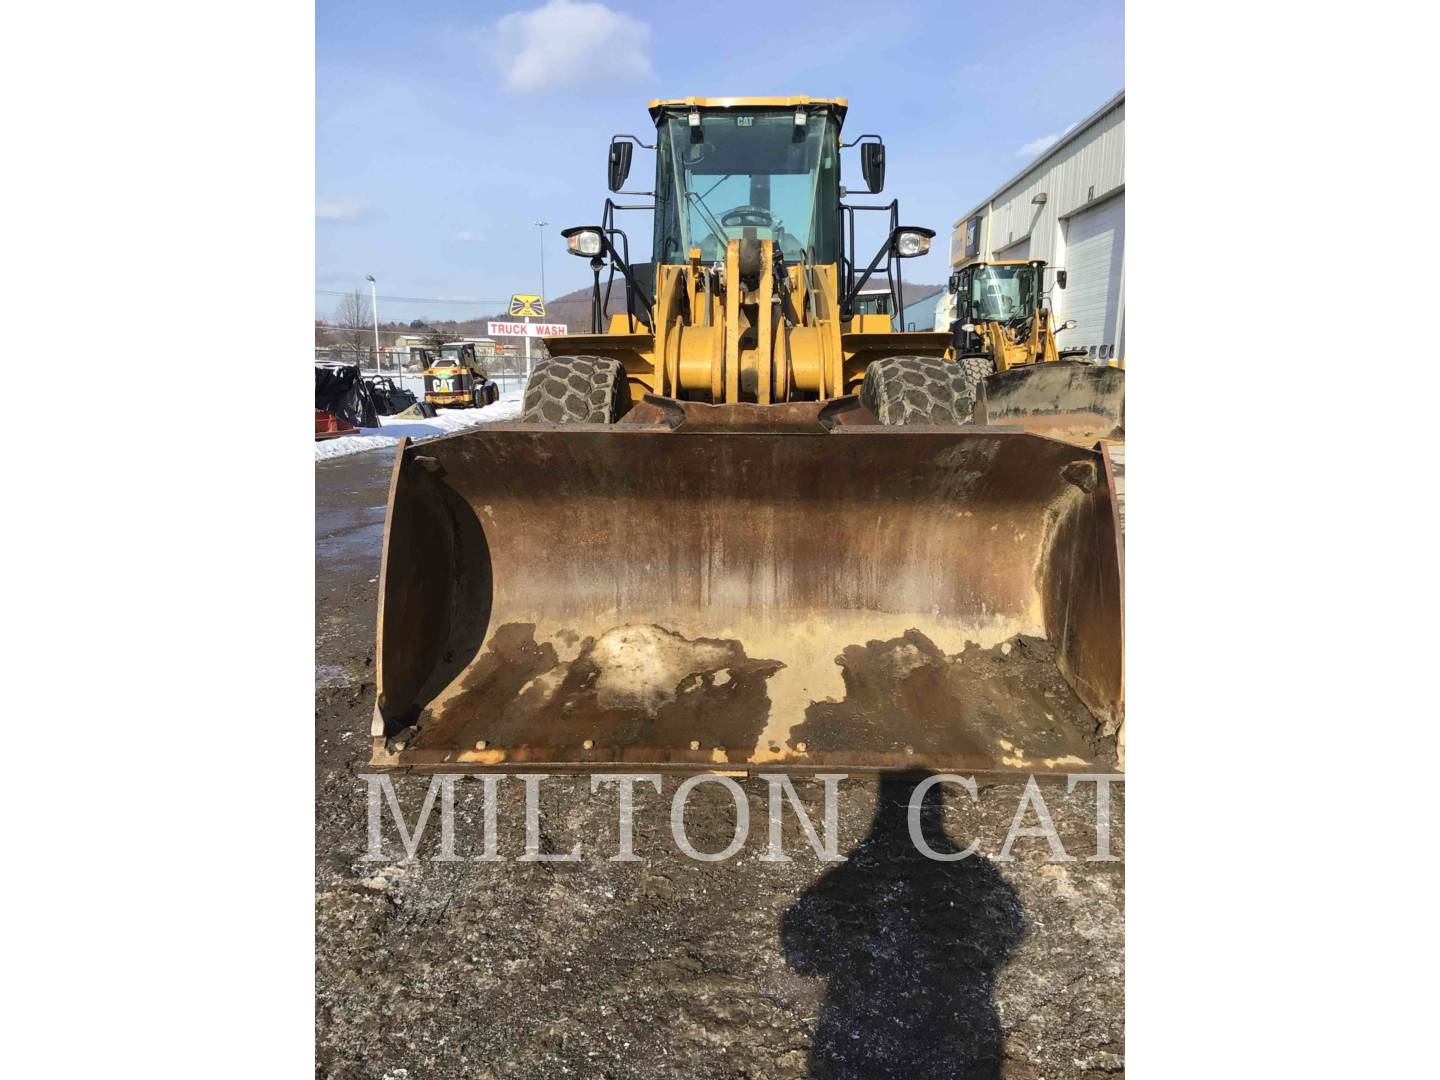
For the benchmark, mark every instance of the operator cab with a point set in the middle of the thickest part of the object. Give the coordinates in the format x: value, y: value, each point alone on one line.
x: 751, y: 172
x: 1007, y: 292
x: 874, y: 299
x: 997, y: 292
x: 730, y: 174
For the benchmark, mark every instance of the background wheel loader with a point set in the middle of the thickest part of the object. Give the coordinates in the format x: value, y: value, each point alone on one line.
x: 1004, y: 336
x: 454, y: 378
x: 741, y: 524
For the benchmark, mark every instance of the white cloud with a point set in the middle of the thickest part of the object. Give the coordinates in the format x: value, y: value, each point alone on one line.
x: 1037, y: 146
x: 341, y: 209
x: 1043, y: 143
x: 468, y: 236
x: 570, y: 42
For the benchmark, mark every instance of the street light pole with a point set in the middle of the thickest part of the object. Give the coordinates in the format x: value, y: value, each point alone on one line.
x: 541, y: 226
x: 375, y: 319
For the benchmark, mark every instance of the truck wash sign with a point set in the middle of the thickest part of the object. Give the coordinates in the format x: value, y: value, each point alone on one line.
x: 520, y: 329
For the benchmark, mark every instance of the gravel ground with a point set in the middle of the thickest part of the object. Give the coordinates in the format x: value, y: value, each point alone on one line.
x: 887, y: 964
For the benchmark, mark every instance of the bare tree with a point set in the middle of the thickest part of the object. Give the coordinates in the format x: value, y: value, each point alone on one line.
x: 355, y: 318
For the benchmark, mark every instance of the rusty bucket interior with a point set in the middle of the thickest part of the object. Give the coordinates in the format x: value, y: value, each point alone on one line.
x: 697, y: 594
x: 1078, y: 401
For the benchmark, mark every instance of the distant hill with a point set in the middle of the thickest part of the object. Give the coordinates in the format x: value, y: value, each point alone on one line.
x: 573, y: 309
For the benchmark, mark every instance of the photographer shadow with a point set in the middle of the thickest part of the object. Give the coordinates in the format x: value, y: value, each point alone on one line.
x: 910, y: 948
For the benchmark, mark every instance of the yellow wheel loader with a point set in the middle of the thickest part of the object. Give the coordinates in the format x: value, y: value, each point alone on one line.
x: 740, y: 524
x: 1004, y: 337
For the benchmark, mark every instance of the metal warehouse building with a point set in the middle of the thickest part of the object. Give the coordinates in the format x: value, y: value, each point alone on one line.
x: 1068, y: 208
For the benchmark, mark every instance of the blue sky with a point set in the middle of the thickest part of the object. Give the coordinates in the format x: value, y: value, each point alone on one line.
x: 443, y: 130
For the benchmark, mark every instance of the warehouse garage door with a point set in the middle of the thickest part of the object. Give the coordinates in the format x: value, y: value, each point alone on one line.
x: 1094, y: 258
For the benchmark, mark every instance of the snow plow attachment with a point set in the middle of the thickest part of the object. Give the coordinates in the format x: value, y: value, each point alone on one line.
x: 780, y: 587
x: 1076, y: 401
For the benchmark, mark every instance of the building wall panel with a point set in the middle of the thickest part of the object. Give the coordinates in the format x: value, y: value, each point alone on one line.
x: 1085, y: 171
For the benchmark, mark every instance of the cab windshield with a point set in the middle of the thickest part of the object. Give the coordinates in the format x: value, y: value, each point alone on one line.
x: 747, y: 173
x: 450, y: 354
x: 1000, y: 293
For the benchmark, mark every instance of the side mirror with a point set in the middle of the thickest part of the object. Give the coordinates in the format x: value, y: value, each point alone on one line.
x: 1060, y: 277
x: 620, y: 154
x: 1068, y: 324
x: 872, y: 165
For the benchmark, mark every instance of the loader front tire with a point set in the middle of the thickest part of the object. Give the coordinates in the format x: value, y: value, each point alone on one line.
x: 575, y: 390
x: 919, y: 390
x: 977, y: 367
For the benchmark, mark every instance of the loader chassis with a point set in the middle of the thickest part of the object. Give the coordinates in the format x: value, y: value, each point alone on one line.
x: 742, y: 524
x: 1004, y: 332
x: 748, y: 223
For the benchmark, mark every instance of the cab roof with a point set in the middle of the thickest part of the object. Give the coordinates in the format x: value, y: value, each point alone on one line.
x: 975, y: 260
x: 839, y: 105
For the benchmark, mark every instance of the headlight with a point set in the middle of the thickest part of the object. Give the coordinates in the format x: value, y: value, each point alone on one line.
x: 584, y: 240
x: 912, y: 242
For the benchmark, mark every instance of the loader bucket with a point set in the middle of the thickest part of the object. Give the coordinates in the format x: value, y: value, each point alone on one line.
x: 785, y: 587
x: 1066, y: 399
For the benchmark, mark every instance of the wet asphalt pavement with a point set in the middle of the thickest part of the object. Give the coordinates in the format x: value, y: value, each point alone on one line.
x: 887, y: 964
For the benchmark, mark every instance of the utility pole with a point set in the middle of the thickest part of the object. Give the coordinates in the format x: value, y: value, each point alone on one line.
x: 375, y: 319
x: 541, y: 226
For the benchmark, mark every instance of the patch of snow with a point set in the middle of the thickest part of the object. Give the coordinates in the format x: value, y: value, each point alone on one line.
x: 446, y: 422
x: 331, y: 675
